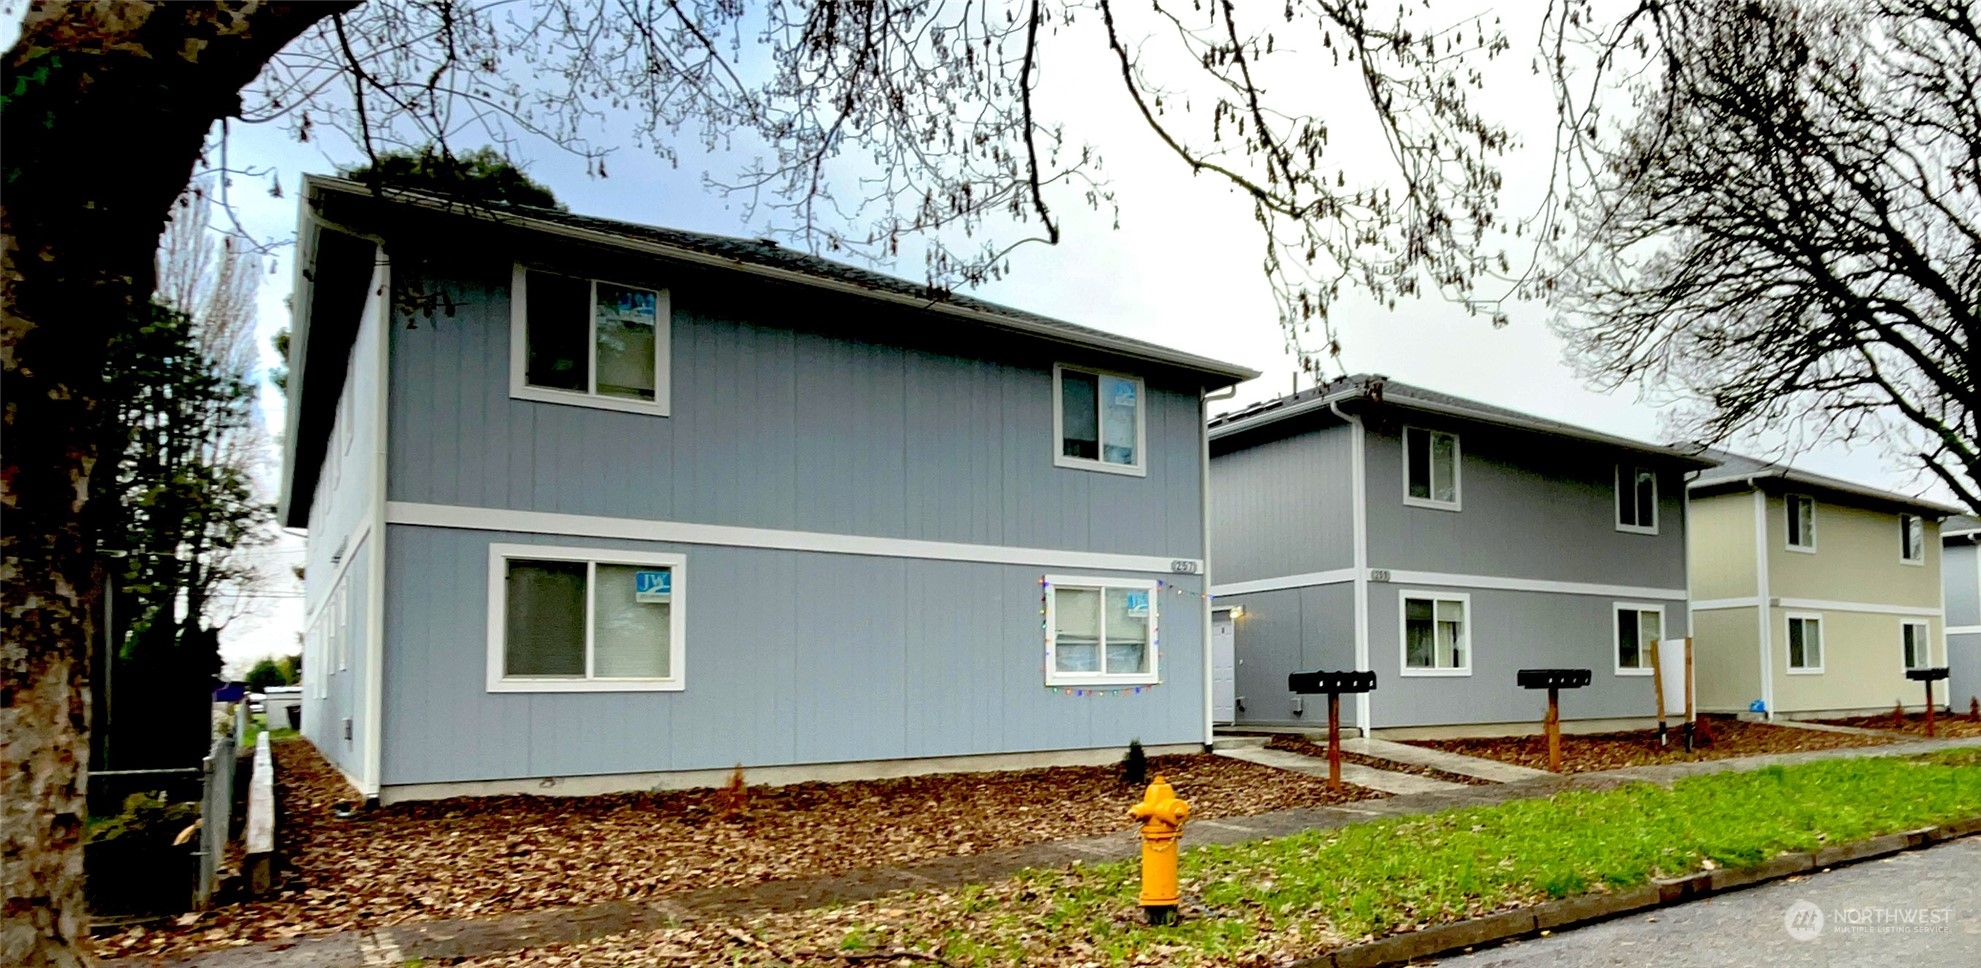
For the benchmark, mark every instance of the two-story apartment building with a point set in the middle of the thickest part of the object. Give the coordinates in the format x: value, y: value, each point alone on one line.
x: 1960, y: 572
x: 1812, y: 596
x: 1445, y: 544
x: 596, y: 506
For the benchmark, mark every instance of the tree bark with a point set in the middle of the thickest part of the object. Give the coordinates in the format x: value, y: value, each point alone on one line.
x: 106, y: 107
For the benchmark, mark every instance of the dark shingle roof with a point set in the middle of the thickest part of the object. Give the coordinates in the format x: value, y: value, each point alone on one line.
x: 1736, y: 469
x: 1377, y: 388
x: 768, y: 257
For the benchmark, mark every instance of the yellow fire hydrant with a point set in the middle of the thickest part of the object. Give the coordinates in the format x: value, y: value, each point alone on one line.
x: 1162, y: 817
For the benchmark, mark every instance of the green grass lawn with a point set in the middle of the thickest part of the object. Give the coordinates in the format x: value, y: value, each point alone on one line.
x: 1309, y: 892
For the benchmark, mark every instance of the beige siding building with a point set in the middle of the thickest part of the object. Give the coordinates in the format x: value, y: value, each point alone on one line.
x: 1811, y: 596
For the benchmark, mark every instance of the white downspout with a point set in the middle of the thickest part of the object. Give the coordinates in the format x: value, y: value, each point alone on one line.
x: 1204, y: 500
x: 1358, y: 495
x: 1761, y: 607
x: 374, y: 711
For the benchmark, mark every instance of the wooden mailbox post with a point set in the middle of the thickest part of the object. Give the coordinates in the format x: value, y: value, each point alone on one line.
x: 1927, y: 676
x: 1553, y: 680
x: 1334, y: 684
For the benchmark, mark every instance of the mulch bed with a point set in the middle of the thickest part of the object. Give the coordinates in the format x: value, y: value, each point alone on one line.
x: 1956, y: 726
x: 477, y: 857
x: 1295, y: 743
x: 1592, y: 752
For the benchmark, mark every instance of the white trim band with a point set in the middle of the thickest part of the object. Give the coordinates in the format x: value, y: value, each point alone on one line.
x: 1334, y: 577
x: 637, y: 529
x: 1498, y: 583
x: 1964, y: 630
x: 1715, y: 603
x: 1816, y: 604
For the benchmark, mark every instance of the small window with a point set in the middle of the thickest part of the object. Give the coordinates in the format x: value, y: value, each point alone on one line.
x: 1430, y: 468
x: 342, y: 629
x: 1912, y: 539
x: 567, y: 620
x: 1805, y: 643
x: 1437, y: 636
x: 589, y: 342
x: 1801, y: 523
x: 1637, y: 626
x: 1099, y: 420
x: 1917, y: 649
x: 1636, y: 500
x: 1100, y: 631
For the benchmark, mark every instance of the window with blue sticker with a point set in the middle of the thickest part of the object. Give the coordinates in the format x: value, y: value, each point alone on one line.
x: 1100, y: 420
x: 587, y: 339
x: 1100, y: 631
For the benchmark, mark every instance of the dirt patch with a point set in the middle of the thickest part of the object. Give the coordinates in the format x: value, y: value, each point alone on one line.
x: 1594, y: 752
x: 485, y: 856
x: 1294, y: 743
x: 1957, y: 726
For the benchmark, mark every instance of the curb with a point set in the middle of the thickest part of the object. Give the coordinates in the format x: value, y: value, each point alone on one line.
x: 1569, y: 912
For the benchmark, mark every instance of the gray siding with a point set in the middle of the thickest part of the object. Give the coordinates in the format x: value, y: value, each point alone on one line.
x: 338, y: 518
x: 792, y: 657
x: 1960, y: 569
x: 1963, y: 669
x: 1530, y: 510
x: 776, y: 425
x: 1510, y: 631
x: 1283, y: 507
x: 1291, y: 630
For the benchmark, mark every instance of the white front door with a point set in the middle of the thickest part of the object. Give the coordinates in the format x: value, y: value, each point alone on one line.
x: 1224, y: 679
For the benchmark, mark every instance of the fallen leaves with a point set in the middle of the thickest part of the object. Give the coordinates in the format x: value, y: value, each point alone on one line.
x: 1593, y: 752
x: 482, y: 857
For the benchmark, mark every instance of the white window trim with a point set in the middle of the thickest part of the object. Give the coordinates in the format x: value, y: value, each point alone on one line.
x: 498, y: 554
x: 1822, y: 644
x: 1925, y: 643
x: 519, y: 348
x: 1403, y: 597
x: 1643, y: 648
x: 1617, y: 507
x: 1905, y: 530
x: 1788, y: 515
x: 1056, y: 678
x: 1457, y: 472
x: 1059, y: 459
x: 342, y: 616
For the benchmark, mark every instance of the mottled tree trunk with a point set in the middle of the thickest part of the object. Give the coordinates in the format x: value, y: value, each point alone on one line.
x: 106, y: 106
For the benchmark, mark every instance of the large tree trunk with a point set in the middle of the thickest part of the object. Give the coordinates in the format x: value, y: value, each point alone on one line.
x: 106, y: 106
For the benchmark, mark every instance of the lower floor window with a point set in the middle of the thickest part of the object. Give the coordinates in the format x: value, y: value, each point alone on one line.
x: 1637, y: 626
x: 1805, y: 643
x: 1918, y: 654
x: 1100, y: 630
x: 1436, y: 634
x: 566, y: 619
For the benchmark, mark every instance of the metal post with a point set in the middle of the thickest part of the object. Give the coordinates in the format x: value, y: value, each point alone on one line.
x: 1334, y: 740
x: 1554, y: 729
x: 1929, y: 707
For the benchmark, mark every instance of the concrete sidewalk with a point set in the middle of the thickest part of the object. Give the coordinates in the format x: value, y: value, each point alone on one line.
x: 1367, y: 777
x: 441, y: 940
x: 1472, y: 766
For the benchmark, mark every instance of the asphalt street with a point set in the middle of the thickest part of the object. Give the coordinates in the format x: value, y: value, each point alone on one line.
x: 1920, y: 909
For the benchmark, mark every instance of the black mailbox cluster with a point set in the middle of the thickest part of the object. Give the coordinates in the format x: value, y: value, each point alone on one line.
x: 1315, y: 683
x: 1926, y: 675
x: 1553, y: 678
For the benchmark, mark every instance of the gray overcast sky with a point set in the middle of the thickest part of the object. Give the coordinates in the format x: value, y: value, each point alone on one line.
x: 1182, y: 269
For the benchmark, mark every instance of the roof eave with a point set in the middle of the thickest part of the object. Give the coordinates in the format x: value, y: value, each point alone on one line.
x: 1227, y: 374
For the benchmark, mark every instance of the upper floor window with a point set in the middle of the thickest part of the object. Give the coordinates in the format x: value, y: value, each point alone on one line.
x: 1099, y: 420
x: 1912, y: 639
x: 1801, y: 523
x: 575, y: 619
x: 588, y: 342
x: 1636, y: 500
x: 1100, y: 631
x: 1912, y: 539
x: 1430, y: 468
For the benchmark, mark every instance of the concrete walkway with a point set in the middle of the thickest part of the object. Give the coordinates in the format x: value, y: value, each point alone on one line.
x: 1362, y: 776
x: 1472, y: 766
x: 394, y: 945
